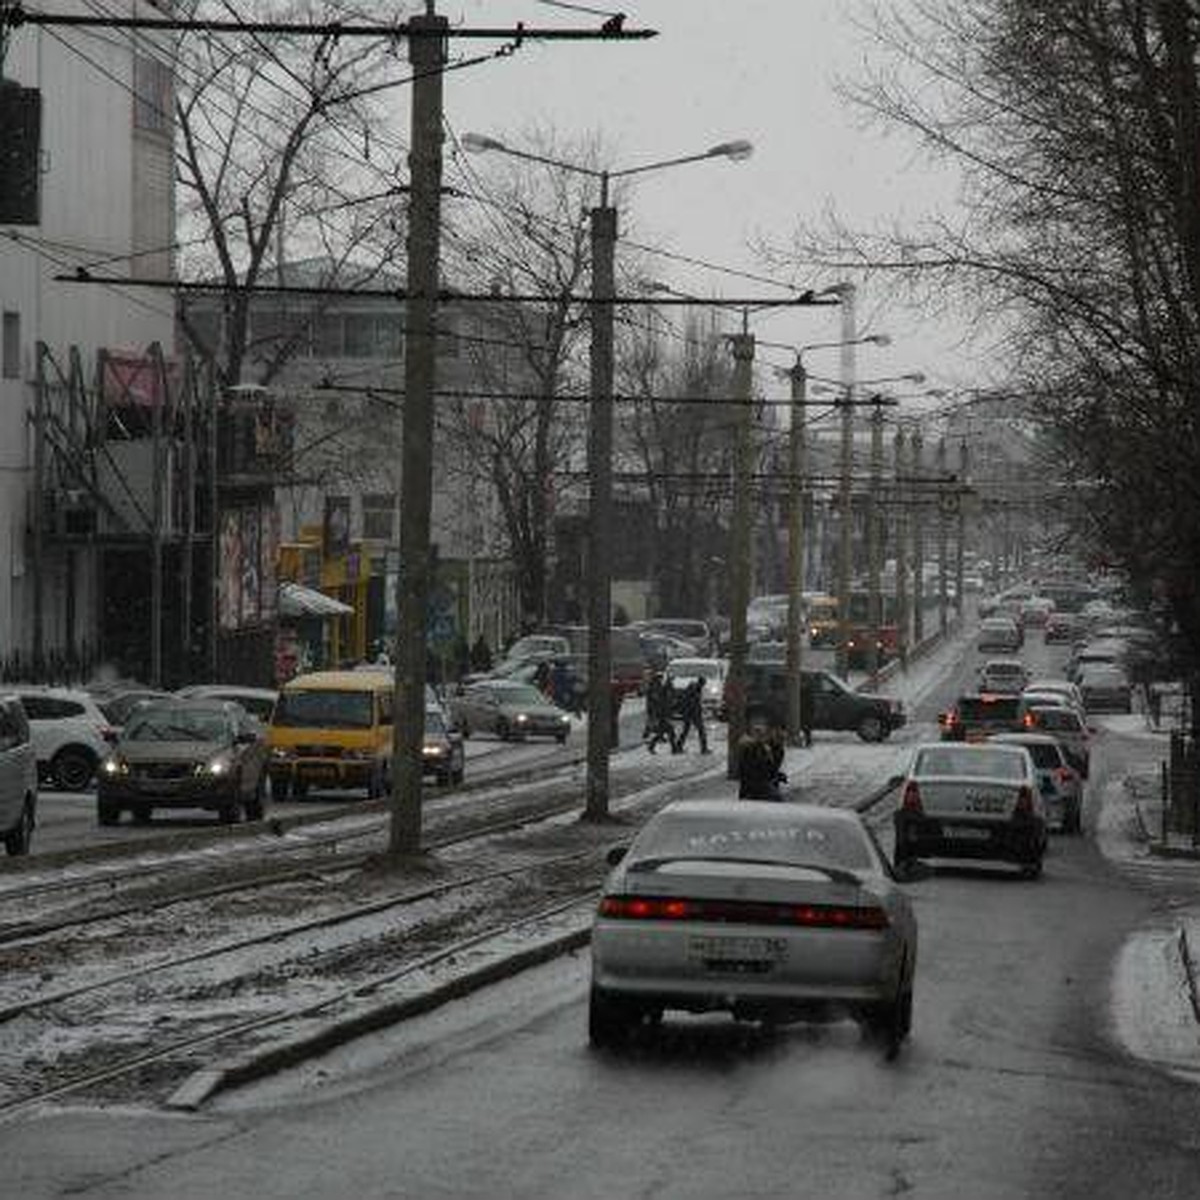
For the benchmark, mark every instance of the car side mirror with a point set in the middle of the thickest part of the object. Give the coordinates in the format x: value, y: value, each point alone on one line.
x: 913, y: 870
x: 615, y: 855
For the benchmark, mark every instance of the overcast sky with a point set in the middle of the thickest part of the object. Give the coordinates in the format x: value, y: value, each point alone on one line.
x: 718, y: 70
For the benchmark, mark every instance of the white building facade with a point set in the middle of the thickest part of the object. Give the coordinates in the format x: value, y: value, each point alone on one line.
x: 106, y: 204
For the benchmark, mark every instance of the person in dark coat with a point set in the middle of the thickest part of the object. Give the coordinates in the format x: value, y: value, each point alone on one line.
x: 481, y: 655
x: 659, y: 703
x: 760, y: 761
x: 806, y: 713
x: 691, y: 709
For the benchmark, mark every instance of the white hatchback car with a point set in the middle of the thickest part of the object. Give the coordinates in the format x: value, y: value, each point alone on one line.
x: 70, y: 734
x: 18, y: 777
x: 1006, y: 676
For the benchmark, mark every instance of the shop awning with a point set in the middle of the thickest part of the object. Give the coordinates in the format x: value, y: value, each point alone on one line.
x: 296, y: 600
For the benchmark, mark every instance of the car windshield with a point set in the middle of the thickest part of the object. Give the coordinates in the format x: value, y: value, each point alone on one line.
x: 690, y: 668
x: 981, y: 761
x: 177, y: 725
x: 324, y: 709
x: 434, y: 722
x: 786, y: 837
x: 988, y: 708
x: 1060, y: 720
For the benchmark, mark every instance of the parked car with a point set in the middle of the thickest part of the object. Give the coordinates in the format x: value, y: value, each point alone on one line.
x: 695, y: 633
x: 1060, y: 783
x: 1035, y: 611
x: 1065, y: 723
x: 18, y: 777
x: 509, y: 710
x: 999, y: 633
x: 1004, y: 675
x: 682, y: 671
x: 185, y: 754
x: 974, y: 801
x: 258, y: 702
x: 1105, y: 688
x: 70, y: 734
x: 1102, y: 652
x: 975, y: 716
x: 835, y: 706
x: 442, y: 749
x: 773, y: 912
x: 1064, y: 687
x: 539, y: 645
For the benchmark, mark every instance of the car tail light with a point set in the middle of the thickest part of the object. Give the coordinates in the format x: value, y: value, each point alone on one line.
x: 1025, y: 800
x: 912, y: 798
x: 754, y: 912
x: 1064, y: 776
x: 1029, y: 721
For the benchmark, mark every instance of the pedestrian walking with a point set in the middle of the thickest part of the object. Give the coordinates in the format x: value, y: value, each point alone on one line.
x: 659, y: 703
x: 760, y: 761
x: 1154, y: 702
x: 691, y: 709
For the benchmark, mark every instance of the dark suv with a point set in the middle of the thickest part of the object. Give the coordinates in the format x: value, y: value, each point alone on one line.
x: 835, y: 706
x: 977, y: 715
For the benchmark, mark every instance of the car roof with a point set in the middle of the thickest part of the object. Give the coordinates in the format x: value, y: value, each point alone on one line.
x: 198, y: 691
x: 1003, y: 662
x: 340, y: 681
x: 1024, y: 739
x: 734, y: 810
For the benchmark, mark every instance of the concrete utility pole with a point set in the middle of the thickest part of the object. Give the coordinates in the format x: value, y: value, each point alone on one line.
x: 600, y: 506
x: 943, y: 539
x: 918, y: 540
x: 902, y: 501
x: 795, y: 559
x: 875, y: 540
x: 845, y: 564
x: 427, y: 54
x: 742, y: 345
x: 156, y: 517
x: 960, y: 552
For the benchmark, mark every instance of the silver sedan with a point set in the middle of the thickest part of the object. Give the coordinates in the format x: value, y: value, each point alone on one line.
x: 772, y: 912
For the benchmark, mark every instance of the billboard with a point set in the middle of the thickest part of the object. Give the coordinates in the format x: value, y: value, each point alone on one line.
x: 248, y: 544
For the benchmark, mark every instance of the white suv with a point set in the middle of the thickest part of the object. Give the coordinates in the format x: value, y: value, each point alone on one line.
x: 69, y: 734
x: 18, y: 778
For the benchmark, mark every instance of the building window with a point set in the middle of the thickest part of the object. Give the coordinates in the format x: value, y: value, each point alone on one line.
x: 10, y: 358
x: 378, y: 511
x: 152, y: 94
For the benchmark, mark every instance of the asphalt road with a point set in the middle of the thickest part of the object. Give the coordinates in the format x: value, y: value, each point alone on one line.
x: 1012, y: 1086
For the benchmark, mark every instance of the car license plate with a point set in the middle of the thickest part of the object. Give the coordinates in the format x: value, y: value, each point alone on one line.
x: 721, y: 951
x: 986, y: 802
x: 968, y: 833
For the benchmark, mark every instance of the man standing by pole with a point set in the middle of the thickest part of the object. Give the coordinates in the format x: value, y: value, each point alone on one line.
x: 427, y: 54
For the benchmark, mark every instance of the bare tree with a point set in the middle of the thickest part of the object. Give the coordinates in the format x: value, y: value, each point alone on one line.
x: 1074, y: 123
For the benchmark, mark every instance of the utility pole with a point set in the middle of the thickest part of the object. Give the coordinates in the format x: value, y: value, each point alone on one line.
x: 795, y: 559
x: 875, y: 540
x: 918, y: 540
x: 156, y: 517
x: 603, y: 230
x: 427, y: 55
x: 943, y: 539
x: 38, y: 506
x: 845, y: 563
x: 902, y: 501
x: 742, y: 345
x: 960, y: 553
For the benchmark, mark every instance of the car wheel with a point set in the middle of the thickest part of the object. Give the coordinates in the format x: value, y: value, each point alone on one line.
x: 890, y: 1024
x: 142, y: 814
x: 72, y: 768
x: 230, y: 814
x: 19, y: 837
x: 561, y: 738
x: 299, y: 789
x: 502, y: 731
x: 609, y: 1020
x: 257, y: 804
x: 871, y: 729
x: 1032, y: 869
x: 107, y: 813
x: 280, y: 790
x: 464, y: 729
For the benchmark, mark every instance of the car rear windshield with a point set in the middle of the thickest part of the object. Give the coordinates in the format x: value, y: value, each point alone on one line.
x: 318, y: 709
x: 785, y: 838
x: 979, y: 761
x: 1060, y: 720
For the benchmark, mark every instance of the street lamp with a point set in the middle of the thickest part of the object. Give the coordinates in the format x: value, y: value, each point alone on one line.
x: 795, y: 562
x: 603, y: 228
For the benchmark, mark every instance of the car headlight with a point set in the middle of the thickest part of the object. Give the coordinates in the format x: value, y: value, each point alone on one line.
x: 564, y: 719
x: 521, y: 718
x: 433, y: 750
x: 215, y: 766
x: 114, y: 766
x: 281, y: 753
